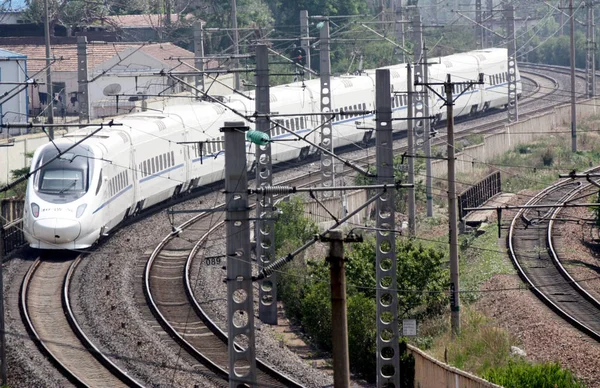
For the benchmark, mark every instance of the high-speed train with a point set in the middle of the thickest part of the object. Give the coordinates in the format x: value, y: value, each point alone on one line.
x: 152, y: 156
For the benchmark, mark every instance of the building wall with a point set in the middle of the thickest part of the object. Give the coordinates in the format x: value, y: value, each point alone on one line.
x: 13, y: 110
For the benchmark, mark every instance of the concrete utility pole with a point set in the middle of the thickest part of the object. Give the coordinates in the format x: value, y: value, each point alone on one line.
x: 50, y: 98
x: 327, y: 162
x: 199, y: 56
x: 265, y: 226
x: 573, y: 100
x: 82, y: 80
x: 388, y: 373
x: 339, y: 335
x: 452, y: 216
x: 590, y: 58
x: 305, y: 37
x: 412, y: 230
x: 3, y: 374
x: 422, y: 103
x: 513, y: 103
x: 240, y: 306
x: 478, y: 27
x: 399, y: 27
x: 236, y: 44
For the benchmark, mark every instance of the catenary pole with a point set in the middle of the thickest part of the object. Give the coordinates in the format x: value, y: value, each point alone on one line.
x: 573, y: 100
x: 199, y: 55
x: 327, y: 162
x: 411, y: 152
x: 265, y: 226
x: 339, y: 335
x: 82, y: 80
x: 236, y: 43
x: 388, y: 373
x: 240, y: 306
x: 50, y: 97
x: 305, y: 38
x: 452, y: 216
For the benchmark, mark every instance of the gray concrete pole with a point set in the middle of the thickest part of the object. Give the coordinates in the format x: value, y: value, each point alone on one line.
x: 265, y: 226
x: 411, y: 152
x: 573, y: 99
x: 427, y: 143
x: 339, y: 335
x: 327, y: 162
x: 590, y: 65
x: 452, y: 214
x: 240, y: 306
x: 305, y: 38
x: 82, y: 80
x: 513, y: 102
x: 3, y: 374
x: 478, y: 27
x: 236, y: 43
x: 199, y: 55
x: 50, y: 100
x: 388, y: 373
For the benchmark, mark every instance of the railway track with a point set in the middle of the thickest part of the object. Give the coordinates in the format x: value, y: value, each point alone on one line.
x: 170, y: 295
x: 46, y: 311
x: 532, y: 251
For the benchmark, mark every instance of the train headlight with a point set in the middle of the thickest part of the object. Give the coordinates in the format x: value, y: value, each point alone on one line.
x: 35, y: 209
x: 80, y: 210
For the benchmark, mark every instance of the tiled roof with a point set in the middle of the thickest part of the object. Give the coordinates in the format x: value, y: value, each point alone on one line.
x: 66, y: 54
x: 151, y: 20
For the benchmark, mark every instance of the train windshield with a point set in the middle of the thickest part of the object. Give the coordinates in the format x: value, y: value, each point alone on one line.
x: 66, y: 178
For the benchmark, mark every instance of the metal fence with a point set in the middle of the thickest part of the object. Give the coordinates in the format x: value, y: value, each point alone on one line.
x: 477, y: 194
x: 11, y: 222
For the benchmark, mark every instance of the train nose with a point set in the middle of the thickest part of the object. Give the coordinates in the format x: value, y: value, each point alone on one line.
x: 56, y: 229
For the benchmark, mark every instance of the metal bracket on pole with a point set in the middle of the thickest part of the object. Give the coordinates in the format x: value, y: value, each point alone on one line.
x: 590, y: 61
x: 513, y: 104
x: 265, y: 228
x: 327, y: 162
x: 199, y: 55
x: 240, y: 306
x: 388, y: 373
x: 82, y: 80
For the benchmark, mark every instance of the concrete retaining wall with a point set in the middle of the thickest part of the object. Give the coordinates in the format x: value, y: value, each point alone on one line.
x: 430, y: 372
x: 526, y: 131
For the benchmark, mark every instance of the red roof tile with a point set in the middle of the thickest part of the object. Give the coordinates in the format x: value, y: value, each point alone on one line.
x: 149, y: 20
x: 66, y: 55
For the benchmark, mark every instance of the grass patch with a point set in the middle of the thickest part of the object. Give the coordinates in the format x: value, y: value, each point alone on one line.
x: 480, y: 259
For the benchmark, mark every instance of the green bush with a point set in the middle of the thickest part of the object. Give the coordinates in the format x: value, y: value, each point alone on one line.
x: 292, y: 227
x: 316, y: 314
x: 548, y: 157
x: 520, y: 373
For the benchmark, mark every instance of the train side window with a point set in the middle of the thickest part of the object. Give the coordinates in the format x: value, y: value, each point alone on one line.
x: 153, y: 170
x: 172, y: 158
x: 302, y: 123
x: 287, y: 124
x: 99, y: 183
x: 364, y: 106
x: 297, y: 120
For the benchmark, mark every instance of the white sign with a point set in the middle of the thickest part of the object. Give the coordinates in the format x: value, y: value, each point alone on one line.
x: 409, y: 327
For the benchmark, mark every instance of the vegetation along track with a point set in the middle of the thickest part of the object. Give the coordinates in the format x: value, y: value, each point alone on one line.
x: 47, y: 314
x: 169, y: 292
x: 532, y: 251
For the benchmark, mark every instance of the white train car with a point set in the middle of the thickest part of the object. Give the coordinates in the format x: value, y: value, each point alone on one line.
x: 74, y: 199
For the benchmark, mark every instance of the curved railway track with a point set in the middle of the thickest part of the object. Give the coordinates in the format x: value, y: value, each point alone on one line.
x: 169, y: 293
x: 47, y: 313
x: 532, y: 251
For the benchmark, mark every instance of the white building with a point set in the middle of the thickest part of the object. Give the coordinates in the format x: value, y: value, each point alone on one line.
x: 13, y: 88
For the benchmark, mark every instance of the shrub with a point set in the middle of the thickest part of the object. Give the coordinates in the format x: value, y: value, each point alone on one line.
x: 520, y: 373
x: 523, y: 148
x: 548, y: 157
